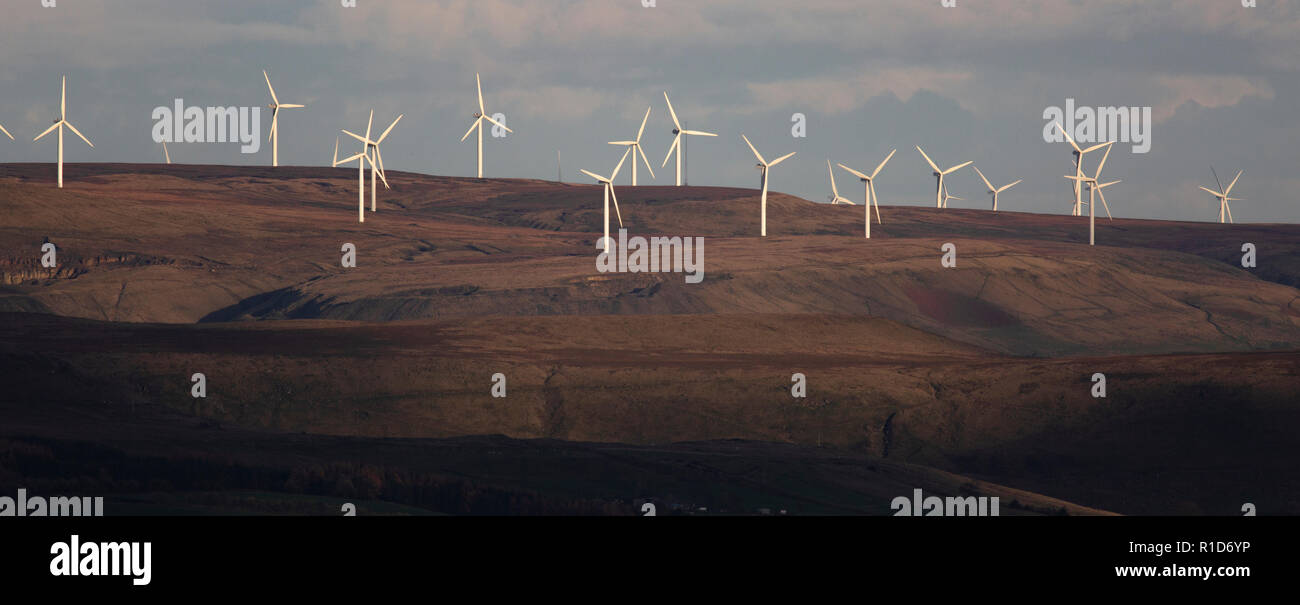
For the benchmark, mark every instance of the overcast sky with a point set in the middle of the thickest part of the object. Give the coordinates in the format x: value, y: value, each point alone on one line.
x: 965, y: 83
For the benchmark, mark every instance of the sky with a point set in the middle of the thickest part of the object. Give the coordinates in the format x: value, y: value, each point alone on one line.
x: 967, y: 82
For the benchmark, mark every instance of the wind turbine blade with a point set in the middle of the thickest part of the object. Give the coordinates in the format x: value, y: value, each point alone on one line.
x: 699, y: 133
x: 614, y: 196
x: 274, y: 99
x: 479, y: 82
x: 676, y: 140
x: 47, y: 131
x: 985, y: 179
x: 2, y: 129
x: 380, y: 158
x: 369, y: 123
x: 957, y: 167
x: 78, y: 133
x: 1211, y: 192
x: 356, y: 136
x: 1105, y: 157
x: 380, y: 170
x: 593, y: 175
x: 782, y: 159
x: 1068, y: 138
x: 1010, y: 186
x: 834, y: 190
x: 643, y: 123
x: 275, y: 121
x: 855, y: 173
x: 672, y: 113
x: 357, y: 156
x: 291, y: 106
x: 620, y: 165
x: 167, y: 154
x: 507, y: 129
x: 927, y: 159
x: 645, y: 160
x: 756, y: 153
x: 882, y: 164
x: 1216, y: 178
x: 1104, y: 204
x: 390, y: 129
x: 63, y: 100
x: 1228, y: 191
x: 623, y: 143
x: 1097, y: 146
x: 471, y: 129
x: 336, y: 151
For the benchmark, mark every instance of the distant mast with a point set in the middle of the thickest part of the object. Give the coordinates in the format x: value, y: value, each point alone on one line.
x: 559, y: 167
x: 686, y: 164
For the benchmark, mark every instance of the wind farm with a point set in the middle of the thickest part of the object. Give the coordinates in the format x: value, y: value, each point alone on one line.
x: 505, y: 340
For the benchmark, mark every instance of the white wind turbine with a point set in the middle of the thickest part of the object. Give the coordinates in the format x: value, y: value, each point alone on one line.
x: 836, y: 198
x: 636, y: 148
x: 678, y: 132
x: 1094, y: 189
x: 609, y: 193
x: 995, y: 190
x: 361, y: 159
x: 871, y: 199
x: 275, y: 107
x: 947, y: 196
x: 478, y: 123
x: 376, y: 158
x: 1078, y: 166
x: 59, y: 124
x: 763, y: 167
x: 940, y: 192
x: 1223, y: 195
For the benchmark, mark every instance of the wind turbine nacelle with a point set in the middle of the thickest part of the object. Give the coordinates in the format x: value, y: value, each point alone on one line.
x: 477, y: 115
x: 676, y: 131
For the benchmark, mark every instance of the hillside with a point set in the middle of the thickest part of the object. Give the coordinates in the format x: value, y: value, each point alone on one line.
x: 979, y: 373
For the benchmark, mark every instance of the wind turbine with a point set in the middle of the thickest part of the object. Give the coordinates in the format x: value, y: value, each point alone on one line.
x: 609, y: 193
x: 478, y: 123
x: 678, y: 131
x: 1223, y: 195
x: 836, y: 199
x: 1094, y: 189
x: 947, y: 197
x: 995, y: 190
x: 361, y: 159
x: 275, y: 107
x: 871, y: 189
x: 60, y: 123
x: 636, y: 148
x: 377, y: 159
x: 1078, y: 166
x: 939, y: 191
x: 763, y: 167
